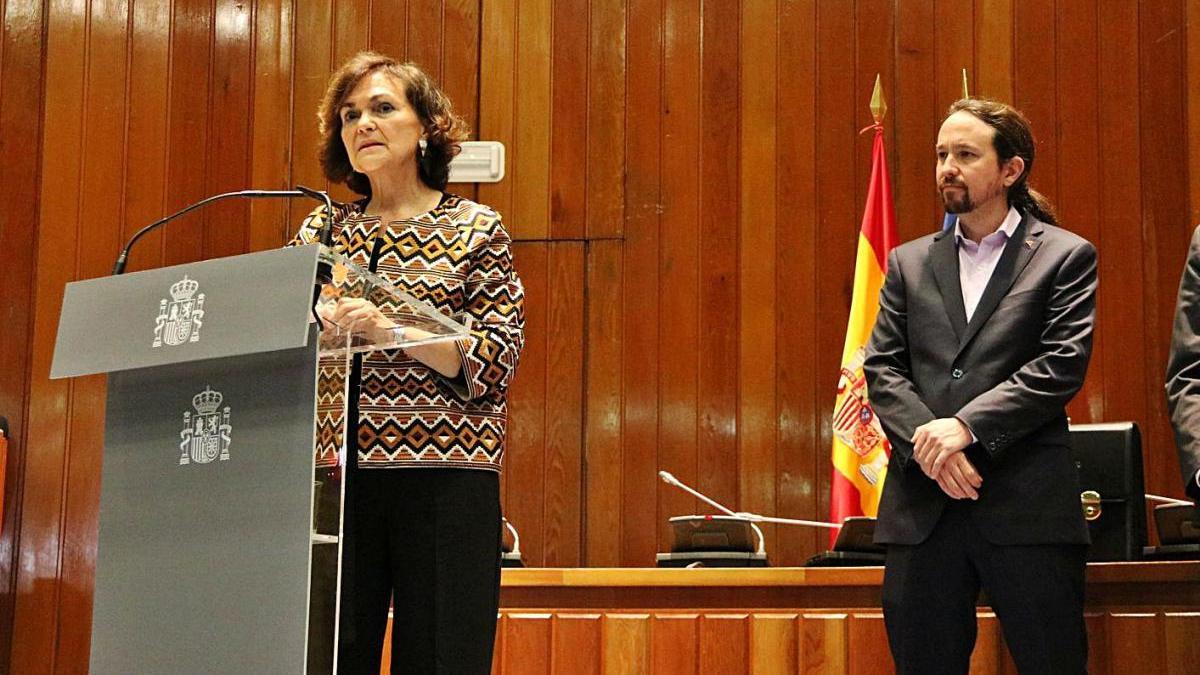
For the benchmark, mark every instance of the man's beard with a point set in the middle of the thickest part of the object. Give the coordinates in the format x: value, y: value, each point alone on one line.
x: 961, y: 203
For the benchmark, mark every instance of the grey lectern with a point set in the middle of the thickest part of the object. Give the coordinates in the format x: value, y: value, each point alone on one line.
x: 221, y: 494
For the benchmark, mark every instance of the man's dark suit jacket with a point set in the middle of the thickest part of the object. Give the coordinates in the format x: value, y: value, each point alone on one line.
x: 1008, y: 374
x: 1183, y: 370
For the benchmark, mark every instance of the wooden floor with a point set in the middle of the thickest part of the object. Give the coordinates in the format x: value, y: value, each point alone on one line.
x: 1142, y: 618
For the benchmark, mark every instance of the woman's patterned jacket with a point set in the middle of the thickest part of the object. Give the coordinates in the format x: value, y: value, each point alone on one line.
x: 456, y: 258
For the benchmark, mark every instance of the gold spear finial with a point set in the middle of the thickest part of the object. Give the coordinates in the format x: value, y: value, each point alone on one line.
x: 878, y: 105
x: 966, y: 91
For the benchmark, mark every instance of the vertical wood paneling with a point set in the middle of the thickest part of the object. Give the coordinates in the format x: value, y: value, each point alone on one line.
x: 627, y: 644
x: 577, y: 644
x: 798, y: 451
x: 603, y: 428
x: 640, y: 412
x: 1182, y: 638
x: 1037, y: 76
x: 917, y: 110
x: 527, y: 645
x: 774, y: 647
x: 226, y: 229
x: 460, y: 69
x: 1136, y: 643
x: 606, y: 119
x: 1165, y: 225
x: 955, y: 48
x: 99, y: 193
x: 388, y: 28
x: 682, y: 641
x: 426, y: 36
x: 993, y: 75
x: 824, y: 643
x: 1127, y: 381
x: 36, y: 608
x: 350, y: 18
x: 311, y: 66
x: 1079, y: 142
x: 678, y: 258
x: 716, y: 442
x: 270, y: 122
x: 147, y: 122
x: 756, y: 415
x: 564, y: 406
x: 724, y: 644
x: 675, y: 641
x: 869, y: 653
x: 568, y: 142
x: 22, y: 46
x: 524, y: 474
x: 529, y: 156
x: 1097, y: 635
x: 837, y: 221
x: 497, y: 56
x: 188, y: 128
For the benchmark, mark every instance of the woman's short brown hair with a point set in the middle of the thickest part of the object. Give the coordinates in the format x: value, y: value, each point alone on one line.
x: 444, y: 130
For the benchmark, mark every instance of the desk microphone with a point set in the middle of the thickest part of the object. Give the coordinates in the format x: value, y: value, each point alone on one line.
x: 300, y: 191
x: 752, y: 517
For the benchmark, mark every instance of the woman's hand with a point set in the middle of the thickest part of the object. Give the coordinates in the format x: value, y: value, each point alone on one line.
x: 359, y: 316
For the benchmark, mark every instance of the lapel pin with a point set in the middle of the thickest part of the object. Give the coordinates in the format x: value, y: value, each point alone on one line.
x: 1029, y: 244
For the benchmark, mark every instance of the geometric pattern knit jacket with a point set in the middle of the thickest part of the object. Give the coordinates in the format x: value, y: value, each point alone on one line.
x: 457, y: 258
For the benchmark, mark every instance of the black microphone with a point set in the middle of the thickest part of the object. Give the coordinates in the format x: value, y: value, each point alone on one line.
x: 300, y: 191
x: 3, y: 427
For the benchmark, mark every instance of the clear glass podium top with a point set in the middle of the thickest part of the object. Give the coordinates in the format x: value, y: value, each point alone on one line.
x: 349, y: 323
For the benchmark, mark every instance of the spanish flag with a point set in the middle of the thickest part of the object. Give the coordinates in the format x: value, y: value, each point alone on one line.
x: 860, y: 448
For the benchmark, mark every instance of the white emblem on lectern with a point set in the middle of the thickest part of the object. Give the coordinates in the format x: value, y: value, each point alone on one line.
x: 205, y: 436
x: 179, y: 318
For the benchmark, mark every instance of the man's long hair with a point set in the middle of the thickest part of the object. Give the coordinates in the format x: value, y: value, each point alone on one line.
x: 1013, y: 138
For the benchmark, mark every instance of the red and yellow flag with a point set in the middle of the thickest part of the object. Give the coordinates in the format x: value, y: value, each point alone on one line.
x: 860, y: 449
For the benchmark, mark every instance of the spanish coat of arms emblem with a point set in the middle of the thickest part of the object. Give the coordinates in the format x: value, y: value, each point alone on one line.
x: 180, y: 317
x: 206, y: 434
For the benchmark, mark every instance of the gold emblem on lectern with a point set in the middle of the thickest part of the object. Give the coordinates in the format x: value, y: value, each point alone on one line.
x: 180, y: 317
x: 206, y: 434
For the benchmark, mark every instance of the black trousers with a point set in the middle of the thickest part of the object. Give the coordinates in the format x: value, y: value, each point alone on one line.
x: 930, y: 590
x: 428, y: 542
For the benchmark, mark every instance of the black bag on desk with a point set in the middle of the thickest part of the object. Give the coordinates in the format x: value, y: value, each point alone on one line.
x: 1109, y: 459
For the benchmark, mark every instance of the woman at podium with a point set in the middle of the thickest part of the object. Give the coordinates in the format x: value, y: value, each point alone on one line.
x: 422, y: 528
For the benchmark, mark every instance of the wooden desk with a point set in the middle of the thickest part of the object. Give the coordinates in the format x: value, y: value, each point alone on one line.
x: 1142, y: 617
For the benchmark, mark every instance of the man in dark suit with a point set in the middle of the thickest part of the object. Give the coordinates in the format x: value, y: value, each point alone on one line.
x: 983, y: 336
x: 1183, y: 372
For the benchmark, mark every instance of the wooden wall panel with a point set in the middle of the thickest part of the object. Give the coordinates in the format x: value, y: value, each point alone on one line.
x: 717, y: 366
x: 602, y: 430
x: 685, y: 180
x: 525, y: 453
x: 756, y: 232
x: 1166, y: 228
x: 577, y: 643
x: 626, y: 644
x: 678, y: 323
x: 798, y: 448
x: 642, y: 193
x: 676, y: 642
x: 774, y: 647
x: 724, y: 643
x: 564, y: 321
x: 22, y: 96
